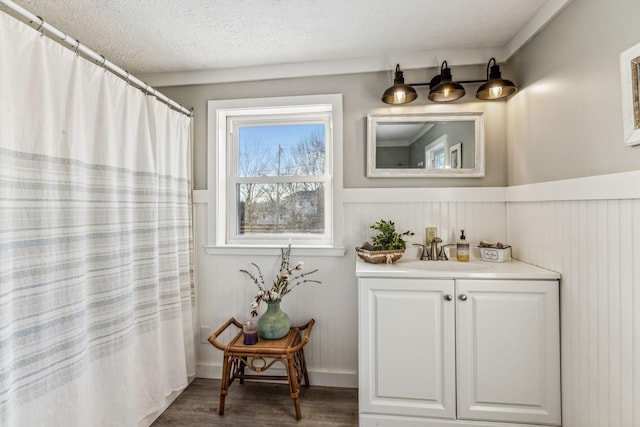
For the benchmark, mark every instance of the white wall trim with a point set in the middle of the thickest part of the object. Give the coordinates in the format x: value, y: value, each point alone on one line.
x: 406, y: 195
x: 542, y: 17
x: 623, y: 185
x: 200, y: 196
x: 409, y: 60
x: 435, y: 194
x: 248, y: 250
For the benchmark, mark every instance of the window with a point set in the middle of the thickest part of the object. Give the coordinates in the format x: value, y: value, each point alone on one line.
x: 435, y: 157
x: 435, y: 154
x: 278, y: 170
x: 274, y: 171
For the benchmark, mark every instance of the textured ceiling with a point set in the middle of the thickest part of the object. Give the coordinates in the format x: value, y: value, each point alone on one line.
x: 160, y: 36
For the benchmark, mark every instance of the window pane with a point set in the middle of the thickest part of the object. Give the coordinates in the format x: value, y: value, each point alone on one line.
x: 281, y: 150
x: 281, y: 208
x: 439, y: 159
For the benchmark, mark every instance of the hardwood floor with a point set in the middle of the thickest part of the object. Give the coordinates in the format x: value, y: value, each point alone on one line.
x: 259, y: 404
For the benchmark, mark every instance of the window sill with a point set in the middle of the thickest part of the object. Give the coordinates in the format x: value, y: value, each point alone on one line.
x: 273, y: 250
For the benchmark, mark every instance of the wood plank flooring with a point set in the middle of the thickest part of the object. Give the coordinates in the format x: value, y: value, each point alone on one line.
x: 260, y: 404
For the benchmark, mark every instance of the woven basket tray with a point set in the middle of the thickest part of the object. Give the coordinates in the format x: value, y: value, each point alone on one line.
x: 379, y: 257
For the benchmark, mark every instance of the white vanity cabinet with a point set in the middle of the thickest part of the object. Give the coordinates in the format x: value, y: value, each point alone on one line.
x: 451, y: 348
x: 407, y: 347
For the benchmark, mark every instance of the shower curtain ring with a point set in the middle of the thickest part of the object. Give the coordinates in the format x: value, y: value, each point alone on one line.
x: 104, y: 61
x: 40, y: 26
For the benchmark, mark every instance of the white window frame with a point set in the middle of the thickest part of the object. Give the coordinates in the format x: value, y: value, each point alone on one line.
x: 429, y: 150
x: 222, y: 115
x: 265, y: 117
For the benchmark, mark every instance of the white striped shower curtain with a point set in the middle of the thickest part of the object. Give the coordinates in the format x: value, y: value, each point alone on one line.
x: 96, y: 282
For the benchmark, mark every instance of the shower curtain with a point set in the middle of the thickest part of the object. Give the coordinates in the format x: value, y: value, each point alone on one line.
x: 96, y: 277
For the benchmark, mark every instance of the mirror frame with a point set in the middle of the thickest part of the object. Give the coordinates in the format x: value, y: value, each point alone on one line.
x: 374, y: 119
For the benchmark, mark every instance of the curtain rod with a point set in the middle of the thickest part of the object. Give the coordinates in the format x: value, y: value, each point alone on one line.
x: 75, y: 45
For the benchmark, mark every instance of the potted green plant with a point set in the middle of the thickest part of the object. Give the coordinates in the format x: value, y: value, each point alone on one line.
x: 387, y: 246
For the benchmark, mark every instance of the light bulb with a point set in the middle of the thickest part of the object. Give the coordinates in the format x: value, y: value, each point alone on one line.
x: 400, y: 96
x: 446, y: 92
x: 495, y: 92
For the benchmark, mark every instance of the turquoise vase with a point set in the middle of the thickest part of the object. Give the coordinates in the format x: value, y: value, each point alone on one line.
x: 274, y: 323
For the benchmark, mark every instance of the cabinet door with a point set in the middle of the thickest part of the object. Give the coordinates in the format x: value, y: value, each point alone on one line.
x: 407, y: 347
x: 508, y: 351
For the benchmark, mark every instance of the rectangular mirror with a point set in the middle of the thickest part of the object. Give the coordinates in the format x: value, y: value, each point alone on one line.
x: 425, y: 145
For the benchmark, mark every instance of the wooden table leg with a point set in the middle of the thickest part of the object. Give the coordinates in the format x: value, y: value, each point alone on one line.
x: 294, y: 387
x: 303, y: 366
x: 243, y: 362
x: 224, y: 382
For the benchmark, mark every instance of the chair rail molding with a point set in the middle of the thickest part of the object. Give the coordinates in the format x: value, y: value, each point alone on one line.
x: 621, y: 185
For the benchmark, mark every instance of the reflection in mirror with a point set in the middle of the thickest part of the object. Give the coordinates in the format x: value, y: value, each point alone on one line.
x: 429, y: 145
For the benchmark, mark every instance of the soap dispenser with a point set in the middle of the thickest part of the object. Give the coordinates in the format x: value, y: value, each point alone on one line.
x: 463, y: 248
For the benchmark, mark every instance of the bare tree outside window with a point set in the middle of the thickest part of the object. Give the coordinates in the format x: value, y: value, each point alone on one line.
x: 282, y: 205
x: 253, y: 160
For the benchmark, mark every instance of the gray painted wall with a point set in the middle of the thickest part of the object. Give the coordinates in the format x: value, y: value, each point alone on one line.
x: 566, y: 119
x: 361, y: 95
x: 392, y: 157
x: 564, y: 122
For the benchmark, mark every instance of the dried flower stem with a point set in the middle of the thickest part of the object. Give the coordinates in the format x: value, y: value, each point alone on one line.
x: 284, y: 282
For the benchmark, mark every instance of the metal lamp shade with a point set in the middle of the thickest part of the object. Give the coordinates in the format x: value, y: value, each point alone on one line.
x: 399, y: 93
x: 446, y: 89
x: 496, y: 87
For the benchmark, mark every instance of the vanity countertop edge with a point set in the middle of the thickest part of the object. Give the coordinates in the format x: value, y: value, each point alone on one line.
x: 474, y: 269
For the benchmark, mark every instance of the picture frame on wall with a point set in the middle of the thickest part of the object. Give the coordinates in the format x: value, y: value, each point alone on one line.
x: 630, y: 78
x: 455, y: 156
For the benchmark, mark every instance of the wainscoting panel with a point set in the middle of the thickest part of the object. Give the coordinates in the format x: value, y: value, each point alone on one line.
x: 332, y: 354
x: 480, y: 220
x: 593, y: 242
x: 595, y: 245
x: 223, y: 291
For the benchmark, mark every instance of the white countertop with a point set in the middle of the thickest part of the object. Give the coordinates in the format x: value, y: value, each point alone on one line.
x: 453, y: 269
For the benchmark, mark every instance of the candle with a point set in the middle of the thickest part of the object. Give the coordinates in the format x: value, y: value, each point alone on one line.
x: 250, y: 330
x: 251, y: 338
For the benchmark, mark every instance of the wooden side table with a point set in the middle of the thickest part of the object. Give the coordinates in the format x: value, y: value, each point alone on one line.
x: 261, y: 356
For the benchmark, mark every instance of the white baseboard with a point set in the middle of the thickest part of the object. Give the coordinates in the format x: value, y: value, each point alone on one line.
x: 342, y: 379
x: 377, y: 420
x: 209, y: 370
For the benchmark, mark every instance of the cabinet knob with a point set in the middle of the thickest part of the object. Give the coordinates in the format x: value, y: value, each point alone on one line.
x: 448, y: 297
x: 463, y: 297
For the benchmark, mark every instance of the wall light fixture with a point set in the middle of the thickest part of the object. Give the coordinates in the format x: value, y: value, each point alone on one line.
x: 444, y: 89
x: 399, y: 93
